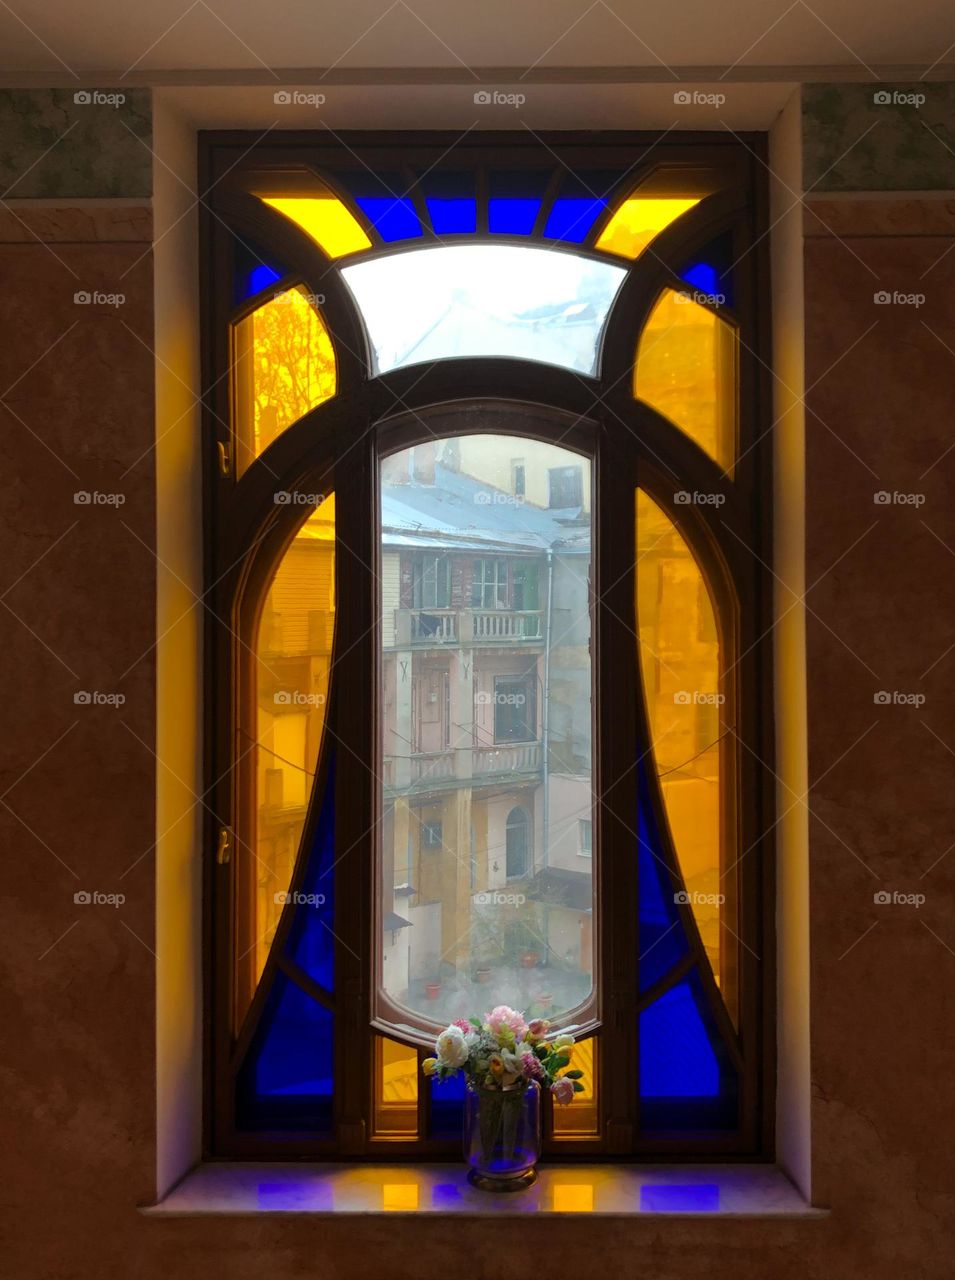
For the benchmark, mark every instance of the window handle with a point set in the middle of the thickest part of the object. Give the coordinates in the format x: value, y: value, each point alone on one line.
x: 225, y: 461
x: 224, y: 847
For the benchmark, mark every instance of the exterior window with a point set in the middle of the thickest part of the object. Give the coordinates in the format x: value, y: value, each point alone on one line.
x: 431, y: 582
x: 566, y: 487
x: 515, y: 708
x: 586, y: 837
x: 490, y: 641
x: 518, y: 843
x: 489, y: 587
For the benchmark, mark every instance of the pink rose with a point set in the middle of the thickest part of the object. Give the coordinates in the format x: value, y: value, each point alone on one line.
x: 503, y: 1016
x: 537, y: 1027
x: 462, y: 1024
x: 531, y: 1068
x: 563, y: 1090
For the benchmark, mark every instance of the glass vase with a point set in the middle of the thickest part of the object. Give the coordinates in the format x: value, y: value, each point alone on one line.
x: 502, y: 1136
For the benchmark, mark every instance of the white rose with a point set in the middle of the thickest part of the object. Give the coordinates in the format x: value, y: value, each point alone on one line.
x: 452, y: 1048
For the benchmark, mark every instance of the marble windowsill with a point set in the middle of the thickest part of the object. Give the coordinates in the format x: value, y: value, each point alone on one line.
x: 725, y: 1191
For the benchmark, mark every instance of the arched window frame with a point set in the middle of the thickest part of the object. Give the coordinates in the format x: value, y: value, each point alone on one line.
x: 336, y: 447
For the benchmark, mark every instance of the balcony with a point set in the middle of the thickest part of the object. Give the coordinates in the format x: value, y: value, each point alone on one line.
x: 438, y: 770
x: 437, y: 628
x: 518, y: 757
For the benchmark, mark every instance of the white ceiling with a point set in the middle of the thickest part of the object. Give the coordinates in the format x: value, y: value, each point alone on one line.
x: 63, y: 41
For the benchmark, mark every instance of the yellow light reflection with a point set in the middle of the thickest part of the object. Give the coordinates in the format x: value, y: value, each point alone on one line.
x: 681, y: 666
x: 400, y: 1197
x: 293, y: 648
x: 332, y: 226
x: 573, y: 1198
x: 396, y: 1089
x: 283, y: 367
x: 686, y: 370
x: 638, y: 221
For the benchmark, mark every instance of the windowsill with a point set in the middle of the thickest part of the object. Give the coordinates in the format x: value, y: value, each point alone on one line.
x: 723, y: 1191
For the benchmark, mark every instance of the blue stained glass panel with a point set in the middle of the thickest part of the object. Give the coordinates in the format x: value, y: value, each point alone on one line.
x: 394, y: 218
x: 447, y: 1107
x: 662, y: 939
x: 452, y: 216
x: 311, y: 939
x: 260, y: 278
x: 703, y: 276
x: 676, y: 1057
x: 511, y: 216
x: 571, y: 218
x: 287, y: 1079
x: 254, y: 270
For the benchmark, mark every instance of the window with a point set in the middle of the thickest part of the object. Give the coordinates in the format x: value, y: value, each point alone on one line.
x: 586, y: 837
x: 515, y: 708
x: 489, y: 585
x: 490, y: 649
x: 566, y: 487
x: 518, y: 844
x: 431, y: 582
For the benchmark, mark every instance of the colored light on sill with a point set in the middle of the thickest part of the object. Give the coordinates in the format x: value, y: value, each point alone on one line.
x: 400, y: 1197
x: 638, y: 221
x: 571, y: 218
x: 393, y: 217
x: 334, y: 228
x: 699, y: 1198
x: 573, y: 1198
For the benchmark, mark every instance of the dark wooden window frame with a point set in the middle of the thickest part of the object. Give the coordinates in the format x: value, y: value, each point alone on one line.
x: 337, y: 447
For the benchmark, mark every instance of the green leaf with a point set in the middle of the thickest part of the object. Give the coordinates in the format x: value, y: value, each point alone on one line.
x: 578, y: 1087
x: 574, y: 1075
x: 475, y: 1023
x: 561, y: 1061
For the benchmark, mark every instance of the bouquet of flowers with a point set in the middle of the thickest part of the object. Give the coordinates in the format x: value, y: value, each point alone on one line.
x: 505, y: 1059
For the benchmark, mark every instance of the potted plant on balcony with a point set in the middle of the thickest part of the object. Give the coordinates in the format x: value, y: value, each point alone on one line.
x: 432, y: 989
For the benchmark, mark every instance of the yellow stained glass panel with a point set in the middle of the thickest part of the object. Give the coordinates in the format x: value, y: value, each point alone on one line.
x: 580, y: 1118
x: 396, y: 1089
x: 686, y: 370
x: 293, y: 649
x: 283, y: 367
x: 639, y: 220
x: 682, y: 677
x: 332, y: 226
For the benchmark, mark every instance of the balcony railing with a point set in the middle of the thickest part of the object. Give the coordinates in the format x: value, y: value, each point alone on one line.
x: 431, y: 628
x: 496, y: 625
x: 519, y: 757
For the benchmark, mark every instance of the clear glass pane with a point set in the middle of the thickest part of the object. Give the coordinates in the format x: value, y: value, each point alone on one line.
x: 486, y: 890
x: 396, y: 1089
x: 283, y: 367
x: 686, y: 370
x: 682, y: 678
x: 484, y: 300
x: 293, y: 649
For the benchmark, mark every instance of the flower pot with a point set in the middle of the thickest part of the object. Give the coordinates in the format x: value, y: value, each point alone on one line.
x: 530, y: 959
x: 432, y: 990
x: 482, y: 975
x: 502, y: 1136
